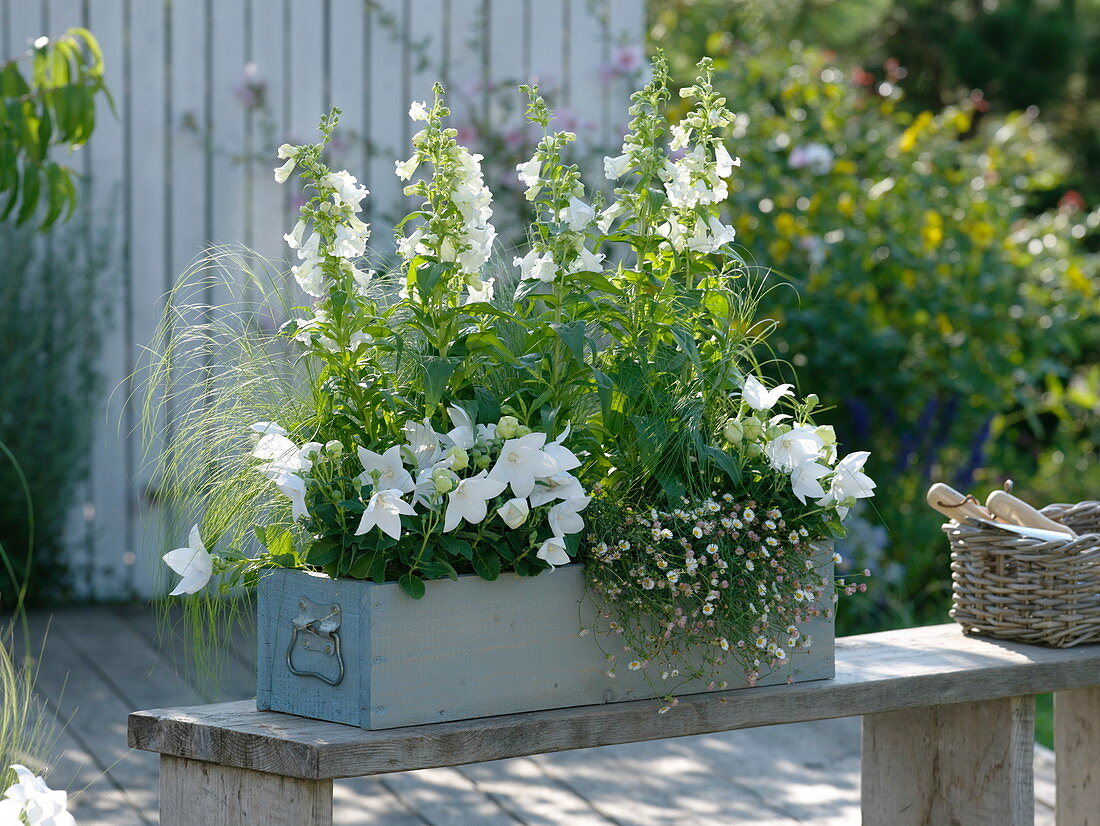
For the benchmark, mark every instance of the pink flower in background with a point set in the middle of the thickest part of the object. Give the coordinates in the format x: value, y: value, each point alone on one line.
x: 626, y: 62
x: 251, y: 92
x: 567, y: 119
x: 466, y: 135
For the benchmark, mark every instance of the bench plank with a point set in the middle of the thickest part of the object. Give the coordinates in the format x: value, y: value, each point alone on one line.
x: 875, y: 673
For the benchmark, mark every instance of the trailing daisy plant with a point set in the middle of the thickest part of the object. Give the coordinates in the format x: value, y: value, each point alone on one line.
x: 600, y: 400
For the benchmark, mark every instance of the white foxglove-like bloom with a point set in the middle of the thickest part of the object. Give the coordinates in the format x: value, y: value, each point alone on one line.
x: 388, y: 467
x: 514, y: 512
x: 724, y: 162
x: 29, y: 800
x: 586, y: 260
x: 192, y: 562
x: 349, y: 243
x: 795, y: 447
x: 418, y: 111
x: 481, y: 292
x: 530, y: 176
x: 384, y: 512
x: 348, y: 191
x: 608, y: 216
x: 558, y: 486
x: 521, y: 462
x: 469, y: 500
x: 537, y: 267
x: 759, y: 397
x: 849, y: 482
x: 553, y: 552
x: 680, y: 136
x: 578, y: 215
x: 290, y: 154
x: 406, y: 169
x: 615, y: 168
x: 295, y: 237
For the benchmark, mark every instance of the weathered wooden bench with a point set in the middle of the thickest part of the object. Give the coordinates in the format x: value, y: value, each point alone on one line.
x: 948, y: 731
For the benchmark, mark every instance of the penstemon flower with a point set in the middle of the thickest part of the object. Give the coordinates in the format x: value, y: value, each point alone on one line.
x: 456, y: 229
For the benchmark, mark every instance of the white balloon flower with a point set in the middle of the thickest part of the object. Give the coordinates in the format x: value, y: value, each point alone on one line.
x: 759, y: 397
x: 193, y: 563
x: 32, y: 799
x: 469, y: 500
x: 553, y: 552
x: 514, y: 512
x: 522, y: 461
x: 384, y: 512
x: 388, y: 467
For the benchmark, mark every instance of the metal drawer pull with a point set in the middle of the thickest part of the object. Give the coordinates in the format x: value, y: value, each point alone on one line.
x: 319, y: 629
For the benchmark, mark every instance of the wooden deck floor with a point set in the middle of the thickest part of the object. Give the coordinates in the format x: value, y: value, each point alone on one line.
x: 98, y: 664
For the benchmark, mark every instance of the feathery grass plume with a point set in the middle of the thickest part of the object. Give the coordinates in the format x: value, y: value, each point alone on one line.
x: 216, y: 366
x: 28, y: 732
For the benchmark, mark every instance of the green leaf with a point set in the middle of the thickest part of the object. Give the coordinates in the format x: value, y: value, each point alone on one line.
x: 725, y: 462
x: 572, y: 335
x: 31, y: 189
x: 281, y: 543
x: 324, y: 551
x: 412, y: 585
x: 363, y: 565
x: 486, y: 563
x: 437, y: 372
x: 456, y: 547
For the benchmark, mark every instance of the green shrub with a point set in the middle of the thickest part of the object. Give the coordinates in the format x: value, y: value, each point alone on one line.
x: 54, y: 302
x: 927, y: 302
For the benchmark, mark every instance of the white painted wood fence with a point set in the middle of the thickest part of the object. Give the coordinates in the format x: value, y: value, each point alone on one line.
x: 205, y: 89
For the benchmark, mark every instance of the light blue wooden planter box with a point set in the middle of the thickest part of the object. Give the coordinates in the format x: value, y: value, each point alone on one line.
x: 469, y: 648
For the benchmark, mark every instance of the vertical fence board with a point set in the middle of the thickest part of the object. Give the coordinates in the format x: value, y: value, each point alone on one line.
x: 108, y: 513
x: 349, y: 85
x: 146, y: 203
x: 388, y: 112
x: 268, y: 129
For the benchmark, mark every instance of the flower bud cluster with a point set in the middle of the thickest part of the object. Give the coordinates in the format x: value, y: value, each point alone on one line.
x: 456, y: 203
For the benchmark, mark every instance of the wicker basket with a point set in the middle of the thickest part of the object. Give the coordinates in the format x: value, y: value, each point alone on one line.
x: 1016, y: 588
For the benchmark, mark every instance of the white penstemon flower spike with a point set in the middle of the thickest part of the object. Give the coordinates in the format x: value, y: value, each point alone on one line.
x: 29, y: 800
x: 192, y: 562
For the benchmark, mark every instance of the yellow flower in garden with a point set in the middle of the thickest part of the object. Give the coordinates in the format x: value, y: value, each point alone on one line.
x: 846, y: 204
x: 909, y: 138
x: 932, y: 232
x: 844, y: 167
x: 981, y: 234
x: 785, y: 224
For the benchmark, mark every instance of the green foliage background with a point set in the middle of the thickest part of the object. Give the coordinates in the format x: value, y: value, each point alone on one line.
x: 941, y: 299
x: 55, y: 301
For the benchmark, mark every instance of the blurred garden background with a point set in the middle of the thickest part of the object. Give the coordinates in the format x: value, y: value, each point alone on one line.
x: 920, y: 183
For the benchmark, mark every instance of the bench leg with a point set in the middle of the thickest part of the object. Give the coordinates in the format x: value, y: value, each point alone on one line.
x: 1077, y: 755
x: 964, y: 764
x: 194, y: 793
